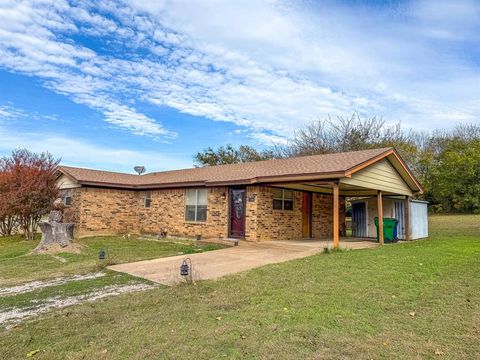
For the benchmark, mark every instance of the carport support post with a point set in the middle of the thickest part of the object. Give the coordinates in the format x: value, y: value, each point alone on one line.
x: 380, y: 217
x: 408, y: 233
x: 336, y: 215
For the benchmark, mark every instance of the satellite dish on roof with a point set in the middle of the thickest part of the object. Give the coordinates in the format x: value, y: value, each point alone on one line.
x: 139, y: 169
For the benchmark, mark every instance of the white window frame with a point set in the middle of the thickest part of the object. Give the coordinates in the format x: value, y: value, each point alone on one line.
x: 147, y: 200
x: 67, y: 194
x: 196, y: 205
x: 283, y: 199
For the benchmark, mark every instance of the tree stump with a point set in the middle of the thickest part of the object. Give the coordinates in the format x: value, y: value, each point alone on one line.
x: 55, y: 233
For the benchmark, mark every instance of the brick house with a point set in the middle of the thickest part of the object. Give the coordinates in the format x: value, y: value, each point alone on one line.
x: 282, y: 199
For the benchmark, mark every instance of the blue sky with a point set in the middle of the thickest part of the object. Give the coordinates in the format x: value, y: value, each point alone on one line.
x: 115, y: 84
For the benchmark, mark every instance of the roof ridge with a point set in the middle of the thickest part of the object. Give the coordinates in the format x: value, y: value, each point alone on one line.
x: 227, y: 165
x: 97, y: 170
x: 384, y: 149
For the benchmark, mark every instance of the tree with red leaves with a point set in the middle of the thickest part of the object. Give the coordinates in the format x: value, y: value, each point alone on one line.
x: 8, y: 218
x: 27, y: 188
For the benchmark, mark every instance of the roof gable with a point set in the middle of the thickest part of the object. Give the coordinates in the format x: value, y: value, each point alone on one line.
x: 380, y: 175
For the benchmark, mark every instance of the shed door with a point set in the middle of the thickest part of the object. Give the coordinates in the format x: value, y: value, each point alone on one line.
x: 419, y: 219
x: 359, y: 219
x: 400, y: 216
x: 237, y: 213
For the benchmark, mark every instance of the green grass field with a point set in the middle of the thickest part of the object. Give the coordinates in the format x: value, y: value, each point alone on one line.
x: 418, y: 300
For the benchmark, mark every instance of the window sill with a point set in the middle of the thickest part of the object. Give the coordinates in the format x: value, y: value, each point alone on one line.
x: 195, y: 222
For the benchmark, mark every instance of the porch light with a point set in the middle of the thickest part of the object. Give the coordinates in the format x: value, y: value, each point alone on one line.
x: 185, y: 267
x: 101, y: 255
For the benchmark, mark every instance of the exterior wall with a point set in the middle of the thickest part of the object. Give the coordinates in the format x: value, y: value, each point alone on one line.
x: 167, y: 211
x: 372, y: 211
x: 322, y: 216
x: 108, y: 211
x: 64, y: 182
x: 380, y: 176
x: 264, y: 223
x: 112, y: 211
x: 72, y: 213
x: 418, y: 219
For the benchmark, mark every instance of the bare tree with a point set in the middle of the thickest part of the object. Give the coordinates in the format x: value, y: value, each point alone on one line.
x: 341, y: 134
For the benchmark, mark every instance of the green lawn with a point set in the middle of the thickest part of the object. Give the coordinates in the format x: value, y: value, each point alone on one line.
x: 415, y: 300
x: 16, y: 266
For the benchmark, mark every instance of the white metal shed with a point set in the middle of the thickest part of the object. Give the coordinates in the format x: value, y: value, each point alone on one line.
x: 364, y: 212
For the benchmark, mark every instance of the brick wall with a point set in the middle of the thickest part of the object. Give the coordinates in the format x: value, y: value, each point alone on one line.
x: 108, y: 211
x: 322, y: 215
x: 265, y: 223
x: 168, y: 211
x: 111, y: 211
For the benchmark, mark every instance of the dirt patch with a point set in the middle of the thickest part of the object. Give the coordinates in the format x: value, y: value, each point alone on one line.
x: 34, y: 285
x: 53, y: 249
x: 11, y: 317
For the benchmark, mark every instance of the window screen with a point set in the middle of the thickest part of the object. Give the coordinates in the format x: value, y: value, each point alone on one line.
x: 196, y: 204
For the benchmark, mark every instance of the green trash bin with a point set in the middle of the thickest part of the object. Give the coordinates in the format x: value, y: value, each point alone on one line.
x: 389, y: 229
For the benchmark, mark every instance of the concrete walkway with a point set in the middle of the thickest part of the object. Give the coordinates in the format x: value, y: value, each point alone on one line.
x: 218, y: 263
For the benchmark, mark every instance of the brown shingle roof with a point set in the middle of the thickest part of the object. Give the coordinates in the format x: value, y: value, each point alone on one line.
x: 315, y: 166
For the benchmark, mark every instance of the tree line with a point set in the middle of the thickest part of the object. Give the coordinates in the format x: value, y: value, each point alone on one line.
x: 27, y: 191
x: 446, y: 162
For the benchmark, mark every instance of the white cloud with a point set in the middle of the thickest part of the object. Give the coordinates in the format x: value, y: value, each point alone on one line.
x: 32, y: 45
x: 268, y: 66
x: 381, y: 61
x: 269, y: 139
x: 9, y: 112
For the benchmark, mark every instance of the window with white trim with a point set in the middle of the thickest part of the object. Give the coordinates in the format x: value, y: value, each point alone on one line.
x: 196, y: 205
x: 147, y: 199
x: 66, y: 196
x: 282, y: 199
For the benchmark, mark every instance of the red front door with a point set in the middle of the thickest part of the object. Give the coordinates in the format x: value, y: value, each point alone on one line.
x: 237, y: 213
x: 307, y: 215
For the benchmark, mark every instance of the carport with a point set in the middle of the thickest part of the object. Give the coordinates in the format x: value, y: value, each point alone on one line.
x: 385, y: 175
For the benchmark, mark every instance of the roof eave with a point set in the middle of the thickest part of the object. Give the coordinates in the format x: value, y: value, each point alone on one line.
x: 280, y: 178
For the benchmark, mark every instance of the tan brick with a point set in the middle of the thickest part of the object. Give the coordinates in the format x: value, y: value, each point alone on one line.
x: 113, y: 211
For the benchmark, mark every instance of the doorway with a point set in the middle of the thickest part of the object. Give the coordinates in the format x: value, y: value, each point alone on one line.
x: 237, y: 213
x: 399, y: 207
x: 359, y: 219
x: 307, y: 215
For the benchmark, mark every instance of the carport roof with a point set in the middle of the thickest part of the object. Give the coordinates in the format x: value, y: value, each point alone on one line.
x: 327, y: 166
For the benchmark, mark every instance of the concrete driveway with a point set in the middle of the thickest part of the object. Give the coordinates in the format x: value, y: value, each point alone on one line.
x: 218, y: 263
